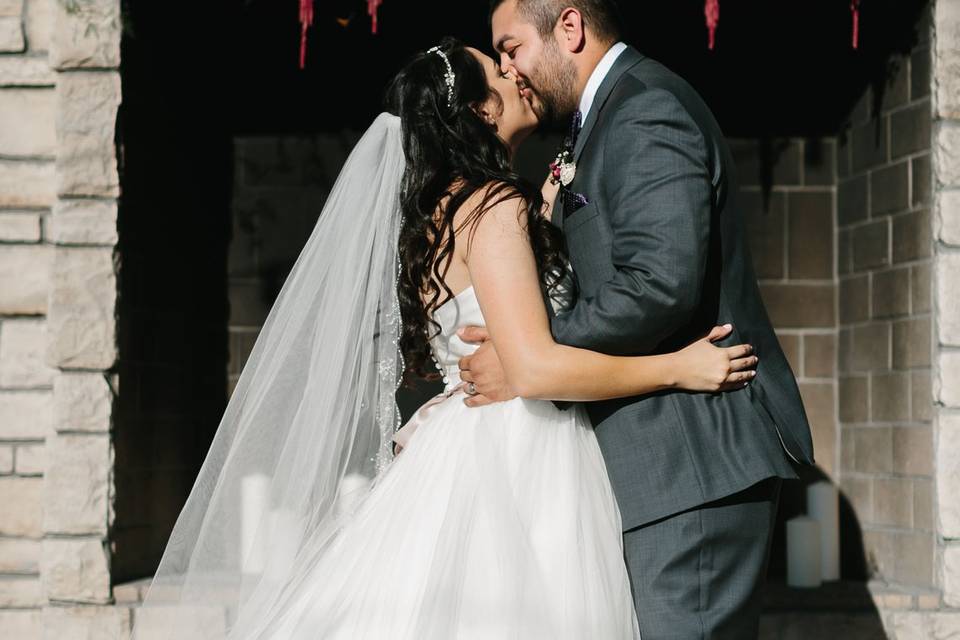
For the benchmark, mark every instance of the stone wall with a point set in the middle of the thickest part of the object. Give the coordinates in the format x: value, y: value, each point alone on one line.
x: 59, y: 94
x: 884, y: 266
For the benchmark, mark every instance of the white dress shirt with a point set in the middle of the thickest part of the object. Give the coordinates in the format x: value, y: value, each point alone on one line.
x: 596, y: 78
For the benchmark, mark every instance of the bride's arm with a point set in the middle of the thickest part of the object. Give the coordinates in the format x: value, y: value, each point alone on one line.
x: 504, y: 275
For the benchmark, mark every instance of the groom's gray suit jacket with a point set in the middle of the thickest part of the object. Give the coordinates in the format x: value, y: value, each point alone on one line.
x: 660, y: 256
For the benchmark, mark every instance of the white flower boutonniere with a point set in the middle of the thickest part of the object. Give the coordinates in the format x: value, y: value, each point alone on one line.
x: 563, y: 169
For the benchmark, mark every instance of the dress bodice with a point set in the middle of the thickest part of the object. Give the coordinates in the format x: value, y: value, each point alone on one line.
x: 447, y: 348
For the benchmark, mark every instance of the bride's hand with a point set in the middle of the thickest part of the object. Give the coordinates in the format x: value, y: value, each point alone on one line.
x: 703, y: 366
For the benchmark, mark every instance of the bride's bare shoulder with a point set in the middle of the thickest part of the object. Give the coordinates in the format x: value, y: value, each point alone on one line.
x: 497, y: 200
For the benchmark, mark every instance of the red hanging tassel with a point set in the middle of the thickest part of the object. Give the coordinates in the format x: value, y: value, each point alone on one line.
x: 712, y: 12
x: 855, y: 9
x: 372, y: 10
x: 306, y: 19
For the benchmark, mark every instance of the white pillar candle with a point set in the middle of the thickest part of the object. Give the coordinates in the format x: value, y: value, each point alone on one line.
x: 803, y: 552
x: 254, y: 498
x: 823, y: 505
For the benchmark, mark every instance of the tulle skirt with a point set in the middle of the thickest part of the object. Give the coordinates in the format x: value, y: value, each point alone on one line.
x: 493, y: 523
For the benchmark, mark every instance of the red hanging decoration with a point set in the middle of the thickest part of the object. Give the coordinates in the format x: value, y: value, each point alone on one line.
x: 855, y: 9
x: 712, y: 12
x: 372, y: 10
x: 306, y: 19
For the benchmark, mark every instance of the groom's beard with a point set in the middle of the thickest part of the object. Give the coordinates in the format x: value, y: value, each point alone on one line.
x: 554, y: 85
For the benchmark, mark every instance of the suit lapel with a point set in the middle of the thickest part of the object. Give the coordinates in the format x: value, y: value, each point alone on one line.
x: 624, y: 61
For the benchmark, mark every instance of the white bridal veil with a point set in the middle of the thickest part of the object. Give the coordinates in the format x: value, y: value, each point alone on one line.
x: 309, y: 425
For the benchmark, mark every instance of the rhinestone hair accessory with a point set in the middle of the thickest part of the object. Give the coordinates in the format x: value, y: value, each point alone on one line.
x: 449, y: 76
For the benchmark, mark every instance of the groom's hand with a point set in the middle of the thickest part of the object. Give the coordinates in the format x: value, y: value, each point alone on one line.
x: 483, y: 369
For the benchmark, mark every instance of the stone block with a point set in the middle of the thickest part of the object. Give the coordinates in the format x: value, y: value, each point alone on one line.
x: 25, y: 278
x: 913, y: 562
x: 921, y: 285
x: 819, y: 162
x: 871, y: 245
x: 854, y: 299
x: 25, y: 415
x: 873, y: 449
x: 11, y: 8
x: 912, y: 236
x: 22, y: 624
x: 844, y: 350
x: 869, y: 144
x: 924, y: 625
x: 11, y: 35
x: 948, y: 300
x: 818, y: 400
x: 765, y: 232
x: 82, y: 402
x: 897, y: 90
x: 87, y: 103
x: 20, y: 591
x: 923, y: 504
x: 951, y: 575
x: 844, y: 252
x: 19, y: 555
x: 86, y: 38
x: 911, y: 343
x: 852, y: 200
x: 76, y: 570
x: 947, y: 154
x: 799, y: 305
x: 27, y: 122
x: 910, y: 129
x: 87, y: 623
x: 84, y: 222
x: 947, y: 456
x: 920, y: 59
x: 913, y: 450
x: 810, y: 248
x: 870, y: 349
x: 6, y: 460
x: 20, y: 226
x: 26, y: 71
x: 82, y: 313
x: 893, y: 502
x: 31, y: 459
x: 948, y: 217
x: 891, y: 293
x: 790, y: 343
x: 843, y: 155
x: 890, y: 397
x: 859, y: 491
x: 921, y: 394
x: 847, y: 458
x: 22, y: 500
x: 947, y: 385
x: 819, y: 355
x: 77, y: 484
x: 921, y: 180
x: 22, y: 365
x: 205, y: 623
x: 25, y: 184
x: 39, y: 24
x: 946, y: 59
x: 854, y: 392
x: 890, y: 189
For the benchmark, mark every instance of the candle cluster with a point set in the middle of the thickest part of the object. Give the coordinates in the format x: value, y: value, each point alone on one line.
x: 813, y: 540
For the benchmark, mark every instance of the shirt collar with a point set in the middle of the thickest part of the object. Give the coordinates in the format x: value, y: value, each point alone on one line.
x: 596, y: 78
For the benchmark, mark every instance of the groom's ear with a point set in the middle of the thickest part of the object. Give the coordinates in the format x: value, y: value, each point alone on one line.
x: 570, y: 31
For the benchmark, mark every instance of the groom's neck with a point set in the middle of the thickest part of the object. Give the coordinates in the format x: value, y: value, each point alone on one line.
x: 587, y: 60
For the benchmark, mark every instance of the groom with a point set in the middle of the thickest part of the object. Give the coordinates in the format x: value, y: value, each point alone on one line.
x: 656, y: 239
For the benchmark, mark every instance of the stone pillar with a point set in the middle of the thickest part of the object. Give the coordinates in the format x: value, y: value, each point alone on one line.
x: 81, y: 337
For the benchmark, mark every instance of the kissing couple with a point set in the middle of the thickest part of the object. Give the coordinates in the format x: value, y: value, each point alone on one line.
x: 617, y: 417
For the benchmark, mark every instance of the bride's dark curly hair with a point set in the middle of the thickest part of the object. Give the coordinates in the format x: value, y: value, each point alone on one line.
x: 451, y: 153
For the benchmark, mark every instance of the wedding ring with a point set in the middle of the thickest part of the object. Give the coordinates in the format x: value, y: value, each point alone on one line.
x: 471, y: 389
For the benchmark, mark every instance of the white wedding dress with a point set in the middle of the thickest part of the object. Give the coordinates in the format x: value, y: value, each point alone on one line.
x: 493, y: 523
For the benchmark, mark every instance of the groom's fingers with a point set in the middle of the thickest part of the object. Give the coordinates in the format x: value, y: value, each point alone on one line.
x: 466, y: 375
x: 478, y: 400
x: 473, y: 334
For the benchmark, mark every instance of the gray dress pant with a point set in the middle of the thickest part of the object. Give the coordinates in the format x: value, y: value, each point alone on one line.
x: 699, y: 573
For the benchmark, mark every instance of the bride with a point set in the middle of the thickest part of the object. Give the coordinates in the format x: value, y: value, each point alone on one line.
x: 491, y: 522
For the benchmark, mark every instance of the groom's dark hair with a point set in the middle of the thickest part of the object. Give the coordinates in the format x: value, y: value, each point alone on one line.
x: 600, y: 16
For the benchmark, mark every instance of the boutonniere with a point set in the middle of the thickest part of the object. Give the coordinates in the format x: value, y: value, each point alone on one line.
x: 563, y: 169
